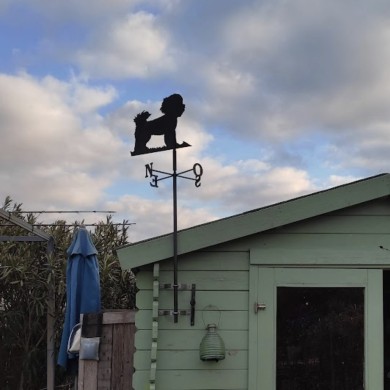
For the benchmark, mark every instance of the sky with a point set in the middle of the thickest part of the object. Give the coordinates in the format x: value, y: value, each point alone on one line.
x: 283, y: 98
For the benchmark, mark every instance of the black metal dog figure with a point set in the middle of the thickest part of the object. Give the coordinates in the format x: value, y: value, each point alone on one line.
x: 172, y: 107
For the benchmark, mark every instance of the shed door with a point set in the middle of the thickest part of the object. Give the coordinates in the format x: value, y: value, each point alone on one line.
x: 321, y: 329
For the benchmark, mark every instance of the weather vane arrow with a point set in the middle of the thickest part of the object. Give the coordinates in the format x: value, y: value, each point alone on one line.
x: 197, y: 170
x: 172, y: 107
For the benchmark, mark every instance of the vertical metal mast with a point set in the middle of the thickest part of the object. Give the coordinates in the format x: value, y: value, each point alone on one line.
x: 175, y: 264
x: 198, y: 172
x: 172, y: 107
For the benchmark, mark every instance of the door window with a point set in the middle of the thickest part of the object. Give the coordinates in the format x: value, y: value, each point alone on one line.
x: 320, y: 338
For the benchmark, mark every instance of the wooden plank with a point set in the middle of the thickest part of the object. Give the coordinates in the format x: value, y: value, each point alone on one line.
x: 253, y: 353
x: 144, y: 280
x: 341, y: 257
x: 154, y: 336
x: 264, y: 374
x: 206, y: 280
x: 118, y: 317
x: 132, y: 331
x: 321, y: 241
x: 115, y: 366
x: 380, y: 206
x: 189, y: 339
x: 105, y: 355
x: 211, y: 261
x: 195, y: 380
x: 217, y: 262
x: 90, y: 375
x: 317, y: 249
x: 117, y: 355
x: 128, y: 358
x: 338, y: 225
x: 374, y: 331
x: 80, y: 376
x: 143, y: 319
x: 122, y: 362
x: 189, y: 360
x: 223, y: 300
x: 230, y: 320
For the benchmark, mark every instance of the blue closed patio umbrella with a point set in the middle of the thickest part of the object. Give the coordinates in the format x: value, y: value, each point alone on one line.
x: 82, y: 287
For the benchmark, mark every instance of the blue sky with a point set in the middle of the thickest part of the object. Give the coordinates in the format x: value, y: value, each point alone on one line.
x: 283, y: 98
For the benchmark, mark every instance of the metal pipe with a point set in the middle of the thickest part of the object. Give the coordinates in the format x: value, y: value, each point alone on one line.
x: 50, y: 321
x: 175, y: 282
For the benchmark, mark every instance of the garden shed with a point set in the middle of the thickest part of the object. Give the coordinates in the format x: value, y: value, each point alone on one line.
x: 299, y: 291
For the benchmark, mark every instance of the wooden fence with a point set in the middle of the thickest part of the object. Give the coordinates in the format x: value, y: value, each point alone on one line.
x: 114, y: 369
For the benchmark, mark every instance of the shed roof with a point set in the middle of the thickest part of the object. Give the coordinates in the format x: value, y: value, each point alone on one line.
x: 255, y: 221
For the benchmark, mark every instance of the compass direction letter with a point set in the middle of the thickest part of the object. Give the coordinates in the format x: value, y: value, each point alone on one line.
x: 198, y: 172
x: 149, y: 173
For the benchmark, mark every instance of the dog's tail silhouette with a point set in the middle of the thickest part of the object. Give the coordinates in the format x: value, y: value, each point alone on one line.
x: 141, y: 118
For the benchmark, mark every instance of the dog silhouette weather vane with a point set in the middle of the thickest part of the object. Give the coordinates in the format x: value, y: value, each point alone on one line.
x: 172, y: 107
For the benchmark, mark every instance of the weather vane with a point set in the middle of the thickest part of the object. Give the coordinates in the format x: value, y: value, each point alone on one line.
x: 172, y: 107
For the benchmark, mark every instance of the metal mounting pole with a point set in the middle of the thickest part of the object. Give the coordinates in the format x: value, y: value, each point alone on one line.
x: 172, y: 107
x: 198, y: 172
x: 175, y: 282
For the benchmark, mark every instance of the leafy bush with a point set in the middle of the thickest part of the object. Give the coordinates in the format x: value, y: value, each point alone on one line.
x: 27, y: 274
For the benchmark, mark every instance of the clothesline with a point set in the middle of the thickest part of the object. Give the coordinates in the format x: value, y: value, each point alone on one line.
x: 75, y: 224
x: 64, y: 212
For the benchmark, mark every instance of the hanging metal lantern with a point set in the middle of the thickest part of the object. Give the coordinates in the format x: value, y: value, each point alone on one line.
x: 212, y: 347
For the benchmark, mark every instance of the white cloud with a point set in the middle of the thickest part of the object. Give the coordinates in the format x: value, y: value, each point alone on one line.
x: 134, y: 46
x: 154, y: 218
x: 229, y: 82
x: 303, y: 64
x: 82, y: 11
x: 47, y: 153
x: 233, y: 187
x: 224, y: 191
x: 335, y: 180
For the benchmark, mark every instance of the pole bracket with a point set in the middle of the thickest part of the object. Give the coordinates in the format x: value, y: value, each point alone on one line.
x: 172, y: 313
x: 180, y: 286
x: 191, y: 312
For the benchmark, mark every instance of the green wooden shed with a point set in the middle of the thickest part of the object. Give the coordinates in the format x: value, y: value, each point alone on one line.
x: 299, y: 291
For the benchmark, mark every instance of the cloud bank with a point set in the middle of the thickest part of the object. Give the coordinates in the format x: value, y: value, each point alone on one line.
x: 282, y: 99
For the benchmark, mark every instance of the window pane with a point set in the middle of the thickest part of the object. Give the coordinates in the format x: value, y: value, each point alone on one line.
x: 320, y: 338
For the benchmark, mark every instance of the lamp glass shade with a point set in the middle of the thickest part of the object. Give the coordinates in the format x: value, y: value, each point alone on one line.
x: 212, y: 347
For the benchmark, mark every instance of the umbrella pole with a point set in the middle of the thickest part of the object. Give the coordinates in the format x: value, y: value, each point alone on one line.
x: 50, y: 374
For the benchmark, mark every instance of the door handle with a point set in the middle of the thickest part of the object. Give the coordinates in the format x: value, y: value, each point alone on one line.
x: 259, y: 306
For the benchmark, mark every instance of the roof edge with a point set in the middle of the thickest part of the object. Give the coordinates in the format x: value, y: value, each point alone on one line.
x: 268, y: 217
